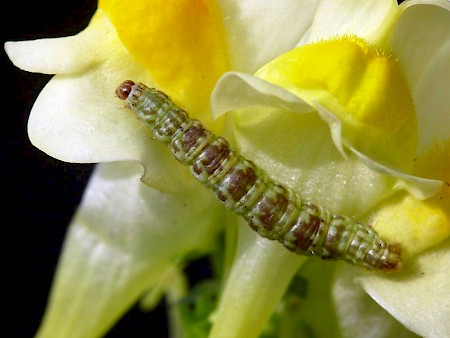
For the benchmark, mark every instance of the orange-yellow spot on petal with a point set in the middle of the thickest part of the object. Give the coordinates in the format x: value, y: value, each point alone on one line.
x: 181, y: 44
x: 364, y: 87
x: 417, y: 225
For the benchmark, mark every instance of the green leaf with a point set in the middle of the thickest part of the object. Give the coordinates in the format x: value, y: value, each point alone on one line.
x: 307, y: 309
x: 196, y: 308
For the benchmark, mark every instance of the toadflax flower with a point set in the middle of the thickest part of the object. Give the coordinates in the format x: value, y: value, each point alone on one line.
x: 345, y: 102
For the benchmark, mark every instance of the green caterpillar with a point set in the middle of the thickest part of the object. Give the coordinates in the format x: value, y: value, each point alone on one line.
x: 271, y: 209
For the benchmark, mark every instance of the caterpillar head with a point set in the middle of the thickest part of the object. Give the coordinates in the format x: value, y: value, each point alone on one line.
x: 124, y: 89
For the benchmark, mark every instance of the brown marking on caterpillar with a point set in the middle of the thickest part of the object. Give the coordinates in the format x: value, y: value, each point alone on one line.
x: 273, y: 210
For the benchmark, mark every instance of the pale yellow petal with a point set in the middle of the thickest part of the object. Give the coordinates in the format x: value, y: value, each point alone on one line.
x: 253, y: 93
x: 418, y: 297
x: 77, y: 117
x: 419, y: 187
x: 123, y: 239
x: 362, y: 86
x: 258, y: 31
x: 425, y: 24
x: 421, y: 41
x: 368, y: 19
x: 279, y: 132
x: 63, y: 55
x: 359, y: 316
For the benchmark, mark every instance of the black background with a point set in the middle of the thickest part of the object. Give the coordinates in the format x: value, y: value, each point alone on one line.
x: 40, y: 194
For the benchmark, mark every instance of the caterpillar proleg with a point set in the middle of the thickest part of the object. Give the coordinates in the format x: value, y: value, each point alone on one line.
x: 271, y: 209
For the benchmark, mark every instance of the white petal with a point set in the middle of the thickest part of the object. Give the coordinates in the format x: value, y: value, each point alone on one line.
x: 421, y: 41
x: 287, y: 146
x: 424, y: 24
x: 257, y: 93
x: 63, y: 55
x: 253, y: 93
x: 419, y: 187
x: 258, y: 31
x: 433, y: 102
x: 359, y: 315
x: 123, y: 238
x: 420, y: 297
x: 78, y: 119
x: 368, y: 19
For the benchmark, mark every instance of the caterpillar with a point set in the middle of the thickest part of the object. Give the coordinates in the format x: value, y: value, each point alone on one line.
x: 273, y: 210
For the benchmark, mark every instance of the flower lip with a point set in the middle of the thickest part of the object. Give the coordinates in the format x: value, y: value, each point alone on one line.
x: 362, y: 86
x: 124, y: 89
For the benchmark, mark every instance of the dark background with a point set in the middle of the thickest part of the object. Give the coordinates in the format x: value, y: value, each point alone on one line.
x: 40, y: 194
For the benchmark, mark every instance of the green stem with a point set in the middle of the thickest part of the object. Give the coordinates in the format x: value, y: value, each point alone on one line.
x: 177, y: 289
x: 259, y: 277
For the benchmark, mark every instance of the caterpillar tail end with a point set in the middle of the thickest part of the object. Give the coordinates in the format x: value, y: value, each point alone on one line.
x: 124, y: 89
x: 391, y: 261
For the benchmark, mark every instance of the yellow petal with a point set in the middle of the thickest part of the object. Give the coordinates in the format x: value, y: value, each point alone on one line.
x: 362, y: 86
x: 278, y: 131
x: 417, y: 225
x: 180, y: 43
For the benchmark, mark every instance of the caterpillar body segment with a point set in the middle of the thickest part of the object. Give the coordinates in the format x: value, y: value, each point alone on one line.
x: 271, y: 209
